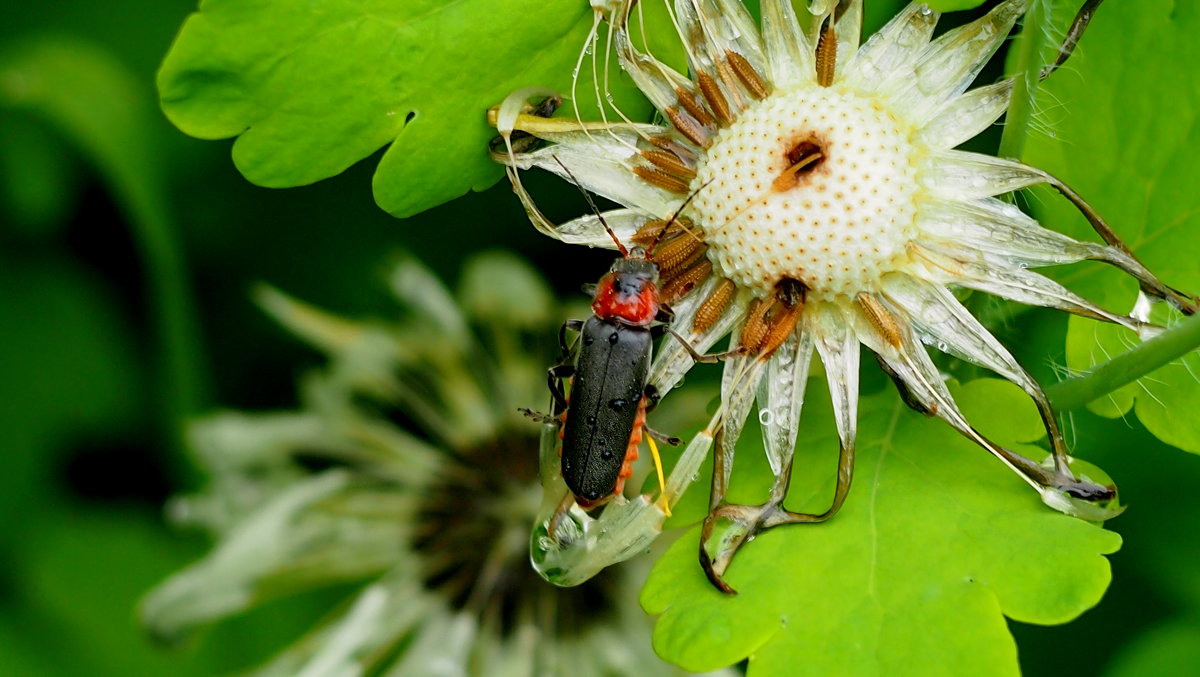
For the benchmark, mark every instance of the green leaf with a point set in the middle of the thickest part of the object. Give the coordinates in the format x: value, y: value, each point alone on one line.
x: 937, y: 543
x: 1123, y: 132
x: 311, y: 90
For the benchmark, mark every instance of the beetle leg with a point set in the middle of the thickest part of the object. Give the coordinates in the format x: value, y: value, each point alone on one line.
x: 539, y: 417
x: 554, y: 378
x: 652, y: 398
x: 665, y: 314
x: 661, y: 436
x: 573, y: 325
x: 650, y: 392
x: 563, y: 506
x: 707, y: 359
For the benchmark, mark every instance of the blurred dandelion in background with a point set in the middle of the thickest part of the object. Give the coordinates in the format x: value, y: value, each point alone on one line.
x: 409, y: 469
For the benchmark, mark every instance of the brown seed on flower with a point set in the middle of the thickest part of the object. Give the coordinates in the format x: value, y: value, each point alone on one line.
x: 661, y: 179
x: 678, y: 253
x: 687, y: 280
x: 688, y: 126
x: 747, y: 75
x: 882, y: 319
x: 715, y: 98
x: 826, y: 56
x: 694, y: 107
x: 714, y: 306
x: 669, y: 163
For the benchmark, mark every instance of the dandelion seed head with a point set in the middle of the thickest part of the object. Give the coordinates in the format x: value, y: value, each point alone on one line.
x: 855, y: 202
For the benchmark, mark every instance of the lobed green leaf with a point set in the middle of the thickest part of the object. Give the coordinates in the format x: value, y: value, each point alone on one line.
x: 936, y: 545
x: 311, y: 89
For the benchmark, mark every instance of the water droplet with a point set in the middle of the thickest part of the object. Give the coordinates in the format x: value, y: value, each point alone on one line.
x: 606, y: 454
x: 591, y: 420
x: 617, y: 404
x: 613, y: 338
x: 588, y: 340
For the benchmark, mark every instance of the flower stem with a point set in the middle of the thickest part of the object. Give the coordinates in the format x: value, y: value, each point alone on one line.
x: 1127, y: 367
x: 1026, y: 64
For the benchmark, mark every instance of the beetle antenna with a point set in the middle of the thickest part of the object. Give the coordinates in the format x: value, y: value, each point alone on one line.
x: 592, y: 204
x: 658, y: 236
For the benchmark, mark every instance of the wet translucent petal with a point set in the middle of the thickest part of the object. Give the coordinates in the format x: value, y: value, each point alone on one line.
x: 951, y: 62
x: 691, y: 31
x: 655, y: 79
x: 838, y: 345
x: 910, y: 363
x: 964, y: 117
x: 604, y: 168
x: 968, y: 267
x: 849, y: 34
x: 893, y: 50
x: 732, y: 28
x: 1004, y: 234
x: 959, y: 175
x: 589, y: 229
x: 942, y: 321
x: 781, y: 397
x: 582, y: 545
x: 789, y: 53
x: 739, y: 382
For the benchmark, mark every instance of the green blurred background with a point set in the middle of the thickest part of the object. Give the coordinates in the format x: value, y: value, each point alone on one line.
x: 103, y: 204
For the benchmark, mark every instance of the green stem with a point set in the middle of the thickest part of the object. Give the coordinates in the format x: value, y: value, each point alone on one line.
x: 95, y: 102
x: 1127, y: 367
x: 170, y: 301
x: 1027, y: 67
